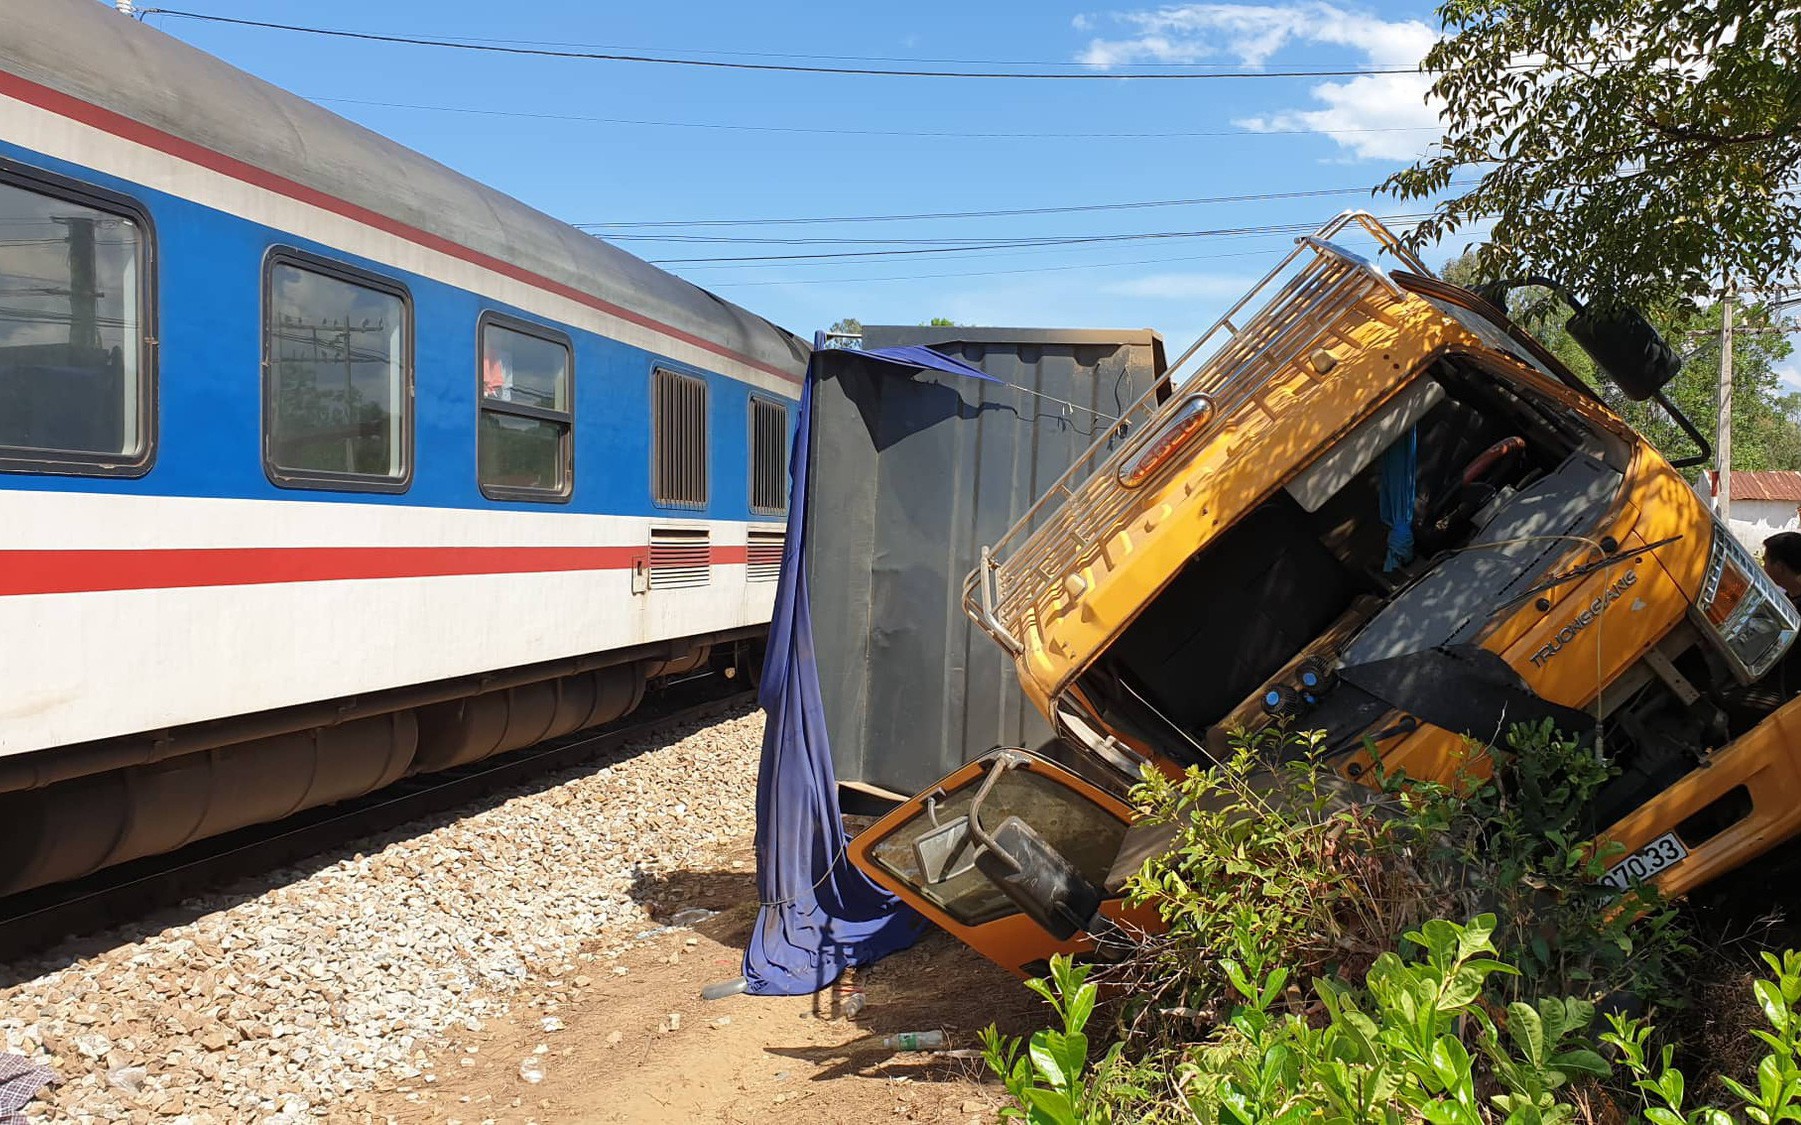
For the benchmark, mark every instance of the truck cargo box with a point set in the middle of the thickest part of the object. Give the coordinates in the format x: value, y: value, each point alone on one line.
x: 911, y: 476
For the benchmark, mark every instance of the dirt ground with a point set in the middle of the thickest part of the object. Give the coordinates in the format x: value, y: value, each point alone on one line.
x: 641, y: 1046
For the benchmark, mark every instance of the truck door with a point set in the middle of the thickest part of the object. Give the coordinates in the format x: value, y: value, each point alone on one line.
x: 1051, y: 829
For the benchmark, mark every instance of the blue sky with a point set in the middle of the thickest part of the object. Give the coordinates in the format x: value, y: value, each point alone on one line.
x: 732, y: 145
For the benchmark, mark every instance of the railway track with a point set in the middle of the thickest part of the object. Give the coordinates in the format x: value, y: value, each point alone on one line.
x: 38, y: 919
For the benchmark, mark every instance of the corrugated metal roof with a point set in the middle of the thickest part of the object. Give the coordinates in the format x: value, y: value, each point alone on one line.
x: 1774, y: 485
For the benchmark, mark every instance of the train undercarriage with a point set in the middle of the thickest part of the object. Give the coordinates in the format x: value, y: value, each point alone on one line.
x: 70, y: 811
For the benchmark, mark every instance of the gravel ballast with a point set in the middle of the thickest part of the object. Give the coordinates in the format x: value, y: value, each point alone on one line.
x: 284, y: 1000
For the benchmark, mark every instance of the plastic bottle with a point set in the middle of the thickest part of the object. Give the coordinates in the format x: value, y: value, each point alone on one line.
x: 914, y: 1041
x: 719, y: 990
x: 847, y: 991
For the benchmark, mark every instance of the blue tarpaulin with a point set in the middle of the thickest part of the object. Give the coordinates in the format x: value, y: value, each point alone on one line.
x: 917, y: 355
x: 1396, y: 493
x: 818, y: 913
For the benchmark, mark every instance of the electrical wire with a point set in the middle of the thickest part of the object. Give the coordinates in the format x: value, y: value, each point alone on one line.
x: 1010, y: 135
x: 801, y: 55
x: 837, y: 280
x: 1040, y: 243
x: 998, y: 242
x: 1256, y: 197
x: 845, y: 280
x: 1404, y: 222
x: 500, y: 48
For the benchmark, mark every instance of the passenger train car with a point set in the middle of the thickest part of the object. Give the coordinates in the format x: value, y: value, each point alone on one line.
x: 321, y: 464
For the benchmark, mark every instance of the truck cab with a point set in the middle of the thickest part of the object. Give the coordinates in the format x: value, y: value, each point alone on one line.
x: 1372, y: 507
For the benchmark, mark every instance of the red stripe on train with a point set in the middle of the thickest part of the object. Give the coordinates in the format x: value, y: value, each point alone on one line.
x: 72, y: 572
x: 119, y: 125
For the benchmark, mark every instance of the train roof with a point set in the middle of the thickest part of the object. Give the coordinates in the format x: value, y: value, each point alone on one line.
x: 87, y: 50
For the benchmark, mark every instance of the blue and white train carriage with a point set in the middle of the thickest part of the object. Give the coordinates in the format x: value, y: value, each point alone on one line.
x: 321, y: 464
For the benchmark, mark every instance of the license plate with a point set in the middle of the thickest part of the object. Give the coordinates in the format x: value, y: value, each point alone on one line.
x: 1644, y: 864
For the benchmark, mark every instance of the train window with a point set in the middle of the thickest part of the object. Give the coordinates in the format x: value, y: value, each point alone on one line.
x: 523, y: 436
x: 76, y: 329
x: 679, y: 440
x: 337, y: 353
x: 768, y: 457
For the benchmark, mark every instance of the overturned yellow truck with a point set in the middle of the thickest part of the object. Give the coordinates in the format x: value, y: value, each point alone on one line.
x: 1373, y: 507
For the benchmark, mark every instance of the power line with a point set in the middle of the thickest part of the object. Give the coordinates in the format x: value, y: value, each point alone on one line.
x: 842, y: 280
x: 1399, y: 222
x: 990, y: 273
x: 492, y: 47
x: 796, y: 54
x: 1259, y: 197
x: 874, y: 257
x: 996, y: 243
x: 1082, y: 240
x: 958, y: 244
x: 830, y: 132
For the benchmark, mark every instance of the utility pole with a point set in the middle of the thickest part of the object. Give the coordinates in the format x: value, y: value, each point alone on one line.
x: 1723, y: 441
x: 84, y: 283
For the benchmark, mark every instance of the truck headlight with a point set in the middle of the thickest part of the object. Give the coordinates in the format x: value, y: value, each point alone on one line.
x: 1748, y: 614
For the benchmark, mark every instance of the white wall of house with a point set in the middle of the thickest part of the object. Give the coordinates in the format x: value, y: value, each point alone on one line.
x: 1753, y: 521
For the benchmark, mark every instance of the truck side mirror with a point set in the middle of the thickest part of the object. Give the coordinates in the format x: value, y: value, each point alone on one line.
x: 1626, y: 348
x: 1039, y: 879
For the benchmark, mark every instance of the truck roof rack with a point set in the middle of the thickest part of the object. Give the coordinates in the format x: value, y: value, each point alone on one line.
x: 1309, y: 301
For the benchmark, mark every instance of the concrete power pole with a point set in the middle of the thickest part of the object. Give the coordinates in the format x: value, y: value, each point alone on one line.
x: 1723, y: 442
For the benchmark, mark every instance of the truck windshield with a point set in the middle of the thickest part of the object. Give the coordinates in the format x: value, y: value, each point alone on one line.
x: 1494, y: 478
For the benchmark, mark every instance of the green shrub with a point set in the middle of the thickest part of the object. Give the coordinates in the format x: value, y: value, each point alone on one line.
x: 1277, y: 990
x: 1286, y: 858
x: 1325, y: 874
x: 1777, y: 1096
x: 1521, y: 842
x: 1051, y: 1078
x: 1413, y: 1042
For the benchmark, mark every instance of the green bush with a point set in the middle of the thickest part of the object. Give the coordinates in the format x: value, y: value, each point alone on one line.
x: 1414, y: 1042
x: 1277, y: 989
x: 1326, y: 874
x: 1778, y: 1075
x: 1051, y: 1078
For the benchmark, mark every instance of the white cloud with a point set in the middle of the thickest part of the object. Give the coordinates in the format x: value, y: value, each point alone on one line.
x: 1370, y: 115
x: 1789, y: 372
x: 1252, y: 33
x: 1374, y: 116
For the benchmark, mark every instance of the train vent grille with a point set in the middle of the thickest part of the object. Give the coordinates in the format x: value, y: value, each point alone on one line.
x: 763, y: 555
x: 679, y: 557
